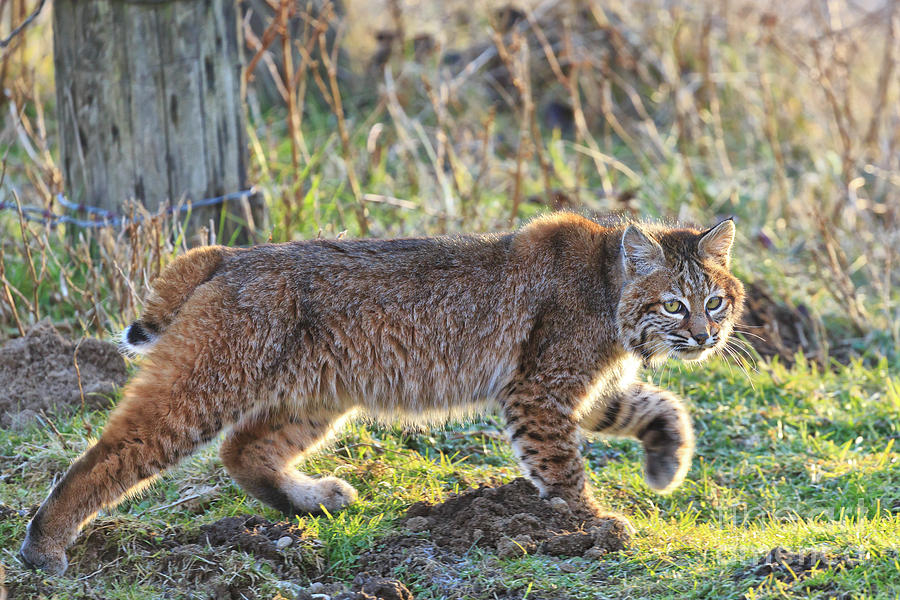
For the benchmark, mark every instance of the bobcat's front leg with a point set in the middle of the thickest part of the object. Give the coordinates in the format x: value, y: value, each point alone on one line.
x: 657, y: 419
x: 544, y: 437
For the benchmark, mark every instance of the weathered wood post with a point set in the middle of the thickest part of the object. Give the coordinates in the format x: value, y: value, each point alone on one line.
x: 149, y: 105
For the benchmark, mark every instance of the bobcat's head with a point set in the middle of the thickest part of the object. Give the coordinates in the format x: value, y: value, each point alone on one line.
x: 679, y: 297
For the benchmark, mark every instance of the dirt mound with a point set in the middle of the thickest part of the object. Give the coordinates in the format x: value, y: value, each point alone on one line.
x: 507, y: 520
x: 774, y: 327
x: 785, y: 565
x: 415, y: 558
x: 37, y: 372
x: 513, y: 520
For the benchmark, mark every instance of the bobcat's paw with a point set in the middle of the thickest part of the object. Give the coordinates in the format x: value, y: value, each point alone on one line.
x: 335, y: 494
x: 309, y: 496
x: 664, y: 471
x: 668, y: 449
x: 49, y: 560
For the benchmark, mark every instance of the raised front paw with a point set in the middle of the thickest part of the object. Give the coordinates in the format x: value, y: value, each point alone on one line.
x: 49, y: 559
x: 668, y: 451
x: 666, y: 465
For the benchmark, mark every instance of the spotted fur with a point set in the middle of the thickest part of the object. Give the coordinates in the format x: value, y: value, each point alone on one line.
x: 279, y: 345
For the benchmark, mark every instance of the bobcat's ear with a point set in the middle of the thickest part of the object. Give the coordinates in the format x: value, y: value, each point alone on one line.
x: 641, y: 254
x: 716, y: 243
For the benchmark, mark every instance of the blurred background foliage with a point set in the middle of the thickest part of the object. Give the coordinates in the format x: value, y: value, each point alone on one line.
x: 398, y: 118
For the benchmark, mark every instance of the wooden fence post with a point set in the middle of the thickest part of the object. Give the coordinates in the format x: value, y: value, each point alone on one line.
x: 150, y: 108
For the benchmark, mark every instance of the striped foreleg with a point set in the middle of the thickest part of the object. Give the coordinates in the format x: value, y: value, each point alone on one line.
x: 545, y: 439
x: 657, y: 419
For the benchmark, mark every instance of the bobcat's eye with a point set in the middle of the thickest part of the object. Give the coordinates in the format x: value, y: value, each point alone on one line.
x: 673, y: 306
x: 713, y: 303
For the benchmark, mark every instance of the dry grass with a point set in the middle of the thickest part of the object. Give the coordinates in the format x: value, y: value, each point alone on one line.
x: 457, y: 120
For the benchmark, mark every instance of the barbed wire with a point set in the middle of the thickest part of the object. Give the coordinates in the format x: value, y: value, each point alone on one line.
x: 5, y: 41
x: 106, y: 218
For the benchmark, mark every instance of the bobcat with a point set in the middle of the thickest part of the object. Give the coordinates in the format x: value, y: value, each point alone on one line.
x: 281, y: 344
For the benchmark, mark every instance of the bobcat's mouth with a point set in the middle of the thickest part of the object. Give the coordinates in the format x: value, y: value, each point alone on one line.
x: 656, y: 353
x: 692, y: 353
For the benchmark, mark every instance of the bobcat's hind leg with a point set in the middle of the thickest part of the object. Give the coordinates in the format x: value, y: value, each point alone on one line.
x: 160, y: 420
x: 657, y: 419
x: 260, y: 454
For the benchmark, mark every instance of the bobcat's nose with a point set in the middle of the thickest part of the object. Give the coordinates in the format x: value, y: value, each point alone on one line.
x: 701, y: 338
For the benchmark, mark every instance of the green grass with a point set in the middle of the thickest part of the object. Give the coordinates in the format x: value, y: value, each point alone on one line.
x: 802, y: 459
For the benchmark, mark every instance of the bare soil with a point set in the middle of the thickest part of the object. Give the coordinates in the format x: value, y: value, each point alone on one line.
x: 417, y: 559
x: 776, y: 327
x: 212, y: 561
x: 508, y: 521
x: 37, y: 372
x: 365, y: 587
x: 785, y: 565
x: 207, y: 562
x: 513, y: 519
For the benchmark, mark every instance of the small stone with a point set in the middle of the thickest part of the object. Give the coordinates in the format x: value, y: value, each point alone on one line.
x: 515, y: 547
x: 283, y: 542
x: 506, y: 548
x: 416, y: 524
x: 316, y: 587
x: 567, y: 567
x: 559, y: 504
x: 385, y: 589
x: 595, y: 553
x: 304, y: 595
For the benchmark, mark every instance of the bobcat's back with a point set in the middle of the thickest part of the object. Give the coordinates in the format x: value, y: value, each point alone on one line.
x: 412, y: 327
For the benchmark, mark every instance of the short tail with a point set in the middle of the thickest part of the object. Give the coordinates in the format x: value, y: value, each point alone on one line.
x: 168, y: 294
x: 137, y: 339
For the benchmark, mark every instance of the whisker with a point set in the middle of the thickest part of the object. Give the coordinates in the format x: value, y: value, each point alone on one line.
x: 745, y: 332
x: 740, y: 366
x: 725, y: 351
x: 744, y: 344
x: 742, y: 362
x: 746, y: 350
